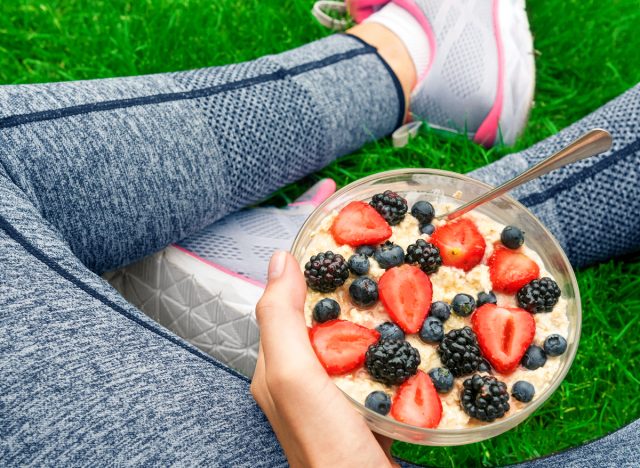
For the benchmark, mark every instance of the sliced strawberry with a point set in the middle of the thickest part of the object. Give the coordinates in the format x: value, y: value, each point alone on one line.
x: 405, y: 292
x: 461, y: 244
x: 504, y: 334
x: 417, y: 402
x: 341, y: 345
x: 358, y: 223
x: 509, y: 270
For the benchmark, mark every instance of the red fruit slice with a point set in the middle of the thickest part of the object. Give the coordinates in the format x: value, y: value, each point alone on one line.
x: 405, y: 292
x: 461, y: 244
x: 360, y: 224
x: 341, y: 345
x: 417, y: 402
x: 504, y: 334
x: 509, y: 270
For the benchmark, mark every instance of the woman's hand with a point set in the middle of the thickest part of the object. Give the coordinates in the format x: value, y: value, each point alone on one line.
x: 313, y: 421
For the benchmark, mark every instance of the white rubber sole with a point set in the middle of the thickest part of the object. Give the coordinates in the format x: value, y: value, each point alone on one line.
x: 212, y: 310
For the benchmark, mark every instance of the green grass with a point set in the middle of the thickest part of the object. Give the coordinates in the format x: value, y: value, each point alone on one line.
x: 587, y: 54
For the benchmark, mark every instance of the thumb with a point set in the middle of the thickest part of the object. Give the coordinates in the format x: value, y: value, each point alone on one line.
x: 280, y: 311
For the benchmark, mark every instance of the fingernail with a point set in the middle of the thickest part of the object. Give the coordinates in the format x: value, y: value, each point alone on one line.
x: 276, y: 265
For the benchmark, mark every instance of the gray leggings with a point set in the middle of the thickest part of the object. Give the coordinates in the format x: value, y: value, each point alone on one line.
x: 94, y: 175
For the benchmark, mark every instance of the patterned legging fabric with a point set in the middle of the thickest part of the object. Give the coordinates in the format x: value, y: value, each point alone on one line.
x: 94, y: 175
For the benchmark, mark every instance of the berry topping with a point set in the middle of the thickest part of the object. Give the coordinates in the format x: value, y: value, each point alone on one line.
x: 486, y: 298
x: 459, y: 351
x: 390, y: 205
x: 512, y: 237
x: 390, y: 331
x: 504, y: 333
x: 442, y: 379
x: 406, y: 292
x: 461, y: 244
x: 359, y: 224
x: 389, y: 255
x: 378, y: 401
x: 510, y: 270
x: 485, y: 398
x: 426, y: 255
x: 555, y: 345
x: 423, y: 211
x: 427, y: 229
x: 326, y: 309
x: 534, y: 357
x: 523, y: 391
x: 363, y: 291
x: 484, y: 366
x: 417, y: 403
x: 359, y: 264
x: 391, y: 361
x: 440, y: 310
x: 463, y: 305
x: 539, y: 295
x: 341, y: 345
x: 366, y: 250
x: 432, y: 330
x: 326, y: 271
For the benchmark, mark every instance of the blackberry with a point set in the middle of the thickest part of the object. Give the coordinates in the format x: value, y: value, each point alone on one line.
x: 425, y: 254
x: 512, y: 237
x: 392, y: 361
x: 484, y: 397
x: 459, y: 351
x: 423, y: 211
x: 389, y: 255
x: 484, y: 366
x: 326, y: 271
x: 539, y: 295
x: 390, y: 205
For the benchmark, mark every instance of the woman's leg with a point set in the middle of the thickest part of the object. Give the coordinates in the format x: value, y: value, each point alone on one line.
x: 590, y: 206
x: 122, y: 167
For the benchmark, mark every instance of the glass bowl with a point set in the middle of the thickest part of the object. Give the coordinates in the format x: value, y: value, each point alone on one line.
x: 440, y: 186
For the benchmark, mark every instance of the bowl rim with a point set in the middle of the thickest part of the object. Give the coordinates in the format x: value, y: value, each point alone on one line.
x: 495, y: 426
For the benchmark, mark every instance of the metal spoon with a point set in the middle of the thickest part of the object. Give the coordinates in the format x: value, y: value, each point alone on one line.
x: 591, y: 143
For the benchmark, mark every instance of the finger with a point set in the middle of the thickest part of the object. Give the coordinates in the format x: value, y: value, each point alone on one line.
x: 280, y: 313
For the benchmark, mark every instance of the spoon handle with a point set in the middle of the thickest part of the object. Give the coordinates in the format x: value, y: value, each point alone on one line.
x: 591, y: 143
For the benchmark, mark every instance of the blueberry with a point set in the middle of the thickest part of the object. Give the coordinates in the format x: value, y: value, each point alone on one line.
x: 534, y: 357
x: 359, y: 264
x: 379, y: 402
x: 523, y: 391
x: 389, y: 255
x: 390, y: 331
x: 326, y: 309
x: 432, y: 330
x: 463, y: 305
x: 512, y: 237
x: 366, y: 250
x: 427, y: 229
x: 442, y: 379
x: 484, y: 366
x: 423, y: 211
x: 486, y: 298
x: 363, y: 291
x: 555, y: 345
x: 440, y: 310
